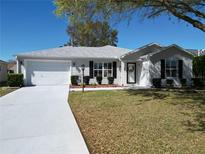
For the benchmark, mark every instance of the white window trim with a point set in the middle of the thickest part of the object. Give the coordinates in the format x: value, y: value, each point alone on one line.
x: 103, y: 68
x: 170, y: 69
x: 107, y: 69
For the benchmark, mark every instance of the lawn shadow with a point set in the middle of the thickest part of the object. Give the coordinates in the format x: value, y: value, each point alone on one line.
x: 198, y: 124
x: 150, y: 93
x: 197, y: 96
x: 192, y: 99
x: 187, y: 98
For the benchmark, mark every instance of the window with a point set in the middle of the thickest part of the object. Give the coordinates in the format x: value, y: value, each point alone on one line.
x: 97, y: 69
x: 171, y: 68
x: 103, y: 69
x: 107, y: 69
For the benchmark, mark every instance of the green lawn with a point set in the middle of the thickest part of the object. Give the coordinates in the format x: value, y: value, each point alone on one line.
x: 6, y: 90
x: 142, y: 121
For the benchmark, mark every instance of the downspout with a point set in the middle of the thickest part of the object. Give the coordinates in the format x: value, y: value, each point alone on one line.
x: 121, y: 72
x: 17, y: 65
x: 149, y: 79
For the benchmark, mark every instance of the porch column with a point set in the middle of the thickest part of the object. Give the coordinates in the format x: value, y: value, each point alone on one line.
x: 17, y: 66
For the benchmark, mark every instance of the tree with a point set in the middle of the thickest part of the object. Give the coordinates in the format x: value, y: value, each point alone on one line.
x: 85, y: 28
x: 190, y: 11
x: 91, y: 33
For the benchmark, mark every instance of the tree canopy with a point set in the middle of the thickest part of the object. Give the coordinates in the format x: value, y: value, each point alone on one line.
x: 190, y: 11
x: 92, y: 33
x: 85, y: 27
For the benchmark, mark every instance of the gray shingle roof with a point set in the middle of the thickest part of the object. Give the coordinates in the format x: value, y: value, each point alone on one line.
x: 153, y: 48
x: 77, y: 52
x: 150, y: 48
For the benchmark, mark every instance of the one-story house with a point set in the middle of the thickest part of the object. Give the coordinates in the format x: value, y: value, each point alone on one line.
x: 129, y: 68
x: 3, y: 71
x: 11, y: 67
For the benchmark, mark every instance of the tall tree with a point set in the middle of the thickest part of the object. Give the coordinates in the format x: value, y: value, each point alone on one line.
x: 92, y: 33
x: 85, y: 27
x: 190, y: 11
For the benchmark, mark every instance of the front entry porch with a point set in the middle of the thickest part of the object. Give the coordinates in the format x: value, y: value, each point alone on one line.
x: 136, y: 74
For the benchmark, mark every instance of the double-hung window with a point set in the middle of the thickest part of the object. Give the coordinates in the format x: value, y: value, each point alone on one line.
x: 97, y: 69
x: 171, y: 67
x: 103, y: 69
x: 107, y: 69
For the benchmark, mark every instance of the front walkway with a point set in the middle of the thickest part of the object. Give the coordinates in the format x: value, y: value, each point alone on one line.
x: 38, y: 120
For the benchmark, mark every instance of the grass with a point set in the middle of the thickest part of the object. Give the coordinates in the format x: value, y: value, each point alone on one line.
x: 6, y: 90
x: 142, y: 121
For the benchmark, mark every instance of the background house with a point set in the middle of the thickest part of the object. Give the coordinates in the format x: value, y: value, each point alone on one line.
x: 11, y: 67
x: 196, y: 52
x: 3, y: 71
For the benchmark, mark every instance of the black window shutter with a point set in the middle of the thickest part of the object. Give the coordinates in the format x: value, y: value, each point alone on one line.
x: 115, y: 69
x: 162, y: 68
x: 91, y: 69
x: 180, y: 69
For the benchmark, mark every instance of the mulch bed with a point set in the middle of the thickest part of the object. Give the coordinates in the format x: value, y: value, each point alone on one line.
x: 96, y: 86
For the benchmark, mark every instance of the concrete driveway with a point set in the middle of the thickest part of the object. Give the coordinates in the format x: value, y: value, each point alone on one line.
x: 38, y: 120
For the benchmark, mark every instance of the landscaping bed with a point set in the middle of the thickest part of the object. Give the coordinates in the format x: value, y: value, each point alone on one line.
x: 6, y: 90
x: 96, y: 86
x: 141, y: 121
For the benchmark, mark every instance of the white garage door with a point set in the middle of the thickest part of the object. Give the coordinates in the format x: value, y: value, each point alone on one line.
x: 48, y: 72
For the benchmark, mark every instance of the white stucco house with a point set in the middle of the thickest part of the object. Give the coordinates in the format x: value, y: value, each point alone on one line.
x: 3, y: 71
x: 129, y: 68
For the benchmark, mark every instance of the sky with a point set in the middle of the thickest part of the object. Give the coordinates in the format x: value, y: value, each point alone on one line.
x: 28, y: 25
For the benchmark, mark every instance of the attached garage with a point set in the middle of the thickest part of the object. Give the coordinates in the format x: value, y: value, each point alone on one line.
x: 47, y: 72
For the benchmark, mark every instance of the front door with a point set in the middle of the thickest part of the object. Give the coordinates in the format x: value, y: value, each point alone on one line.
x: 131, y: 73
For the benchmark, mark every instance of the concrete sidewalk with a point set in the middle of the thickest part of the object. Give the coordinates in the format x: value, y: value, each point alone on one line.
x: 38, y: 120
x: 98, y: 89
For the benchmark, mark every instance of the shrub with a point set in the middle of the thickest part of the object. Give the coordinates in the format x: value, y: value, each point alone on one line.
x: 197, y: 82
x: 15, y: 80
x: 183, y: 82
x: 199, y: 66
x: 156, y: 82
x: 93, y: 84
x: 170, y: 82
x: 86, y: 80
x: 110, y: 80
x: 99, y: 79
x: 82, y: 84
x: 74, y: 79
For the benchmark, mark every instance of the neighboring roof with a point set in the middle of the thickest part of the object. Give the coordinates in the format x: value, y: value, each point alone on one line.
x: 1, y: 61
x: 11, y: 65
x: 78, y: 52
x: 196, y: 52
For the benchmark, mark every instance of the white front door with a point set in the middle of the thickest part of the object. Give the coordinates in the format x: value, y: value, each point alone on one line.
x: 48, y: 72
x: 131, y: 73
